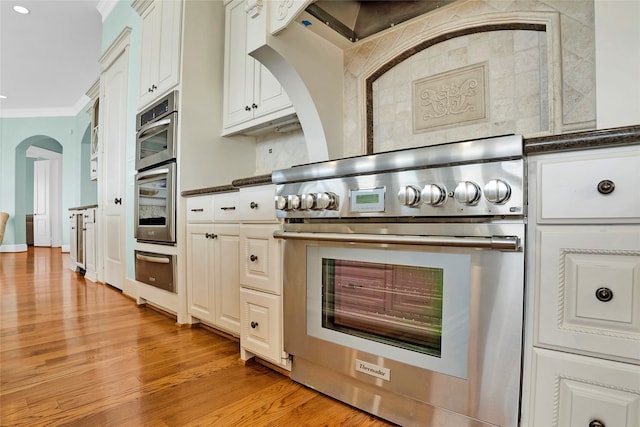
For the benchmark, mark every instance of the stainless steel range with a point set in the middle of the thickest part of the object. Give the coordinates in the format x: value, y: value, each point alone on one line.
x: 404, y: 280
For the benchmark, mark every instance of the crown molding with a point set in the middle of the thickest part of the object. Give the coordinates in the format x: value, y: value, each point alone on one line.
x: 105, y: 7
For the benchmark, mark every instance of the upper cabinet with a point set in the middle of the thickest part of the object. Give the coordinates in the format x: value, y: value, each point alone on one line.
x: 159, y: 47
x: 254, y: 100
x: 94, y: 113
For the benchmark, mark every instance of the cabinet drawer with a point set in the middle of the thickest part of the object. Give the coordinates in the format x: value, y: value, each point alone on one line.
x: 574, y: 391
x: 261, y: 324
x: 200, y: 209
x: 257, y: 204
x: 260, y: 259
x: 589, y: 289
x: 226, y: 207
x: 590, y: 187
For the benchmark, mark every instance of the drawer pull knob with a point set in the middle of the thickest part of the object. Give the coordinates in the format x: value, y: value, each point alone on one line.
x: 596, y: 423
x: 254, y: 325
x: 606, y: 187
x: 253, y: 205
x: 210, y: 235
x: 197, y: 210
x: 604, y: 294
x: 228, y: 208
x: 253, y: 258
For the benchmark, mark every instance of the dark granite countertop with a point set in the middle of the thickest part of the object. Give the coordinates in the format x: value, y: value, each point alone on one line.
x: 614, y: 137
x: 210, y: 190
x: 79, y: 208
x: 235, y: 185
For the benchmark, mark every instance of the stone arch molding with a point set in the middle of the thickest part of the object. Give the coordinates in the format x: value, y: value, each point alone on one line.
x: 403, y: 41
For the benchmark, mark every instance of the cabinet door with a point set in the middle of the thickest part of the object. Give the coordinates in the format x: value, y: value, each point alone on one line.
x: 168, y: 72
x: 90, y: 251
x: 261, y: 258
x: 238, y: 67
x: 200, y: 271
x: 73, y: 242
x: 227, y: 281
x: 149, y: 49
x: 269, y: 95
x: 575, y: 391
x: 160, y: 40
x: 589, y: 289
x: 261, y: 324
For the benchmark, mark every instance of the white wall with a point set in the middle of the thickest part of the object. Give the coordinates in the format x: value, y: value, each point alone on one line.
x: 617, y: 25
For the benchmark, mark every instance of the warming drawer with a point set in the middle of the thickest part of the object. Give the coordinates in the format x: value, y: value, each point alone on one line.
x: 157, y: 270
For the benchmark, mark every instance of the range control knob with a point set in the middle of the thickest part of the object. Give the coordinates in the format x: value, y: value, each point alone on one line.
x: 326, y: 201
x: 434, y: 195
x: 293, y: 202
x: 281, y: 203
x: 497, y: 191
x: 409, y: 196
x: 467, y: 193
x: 307, y: 201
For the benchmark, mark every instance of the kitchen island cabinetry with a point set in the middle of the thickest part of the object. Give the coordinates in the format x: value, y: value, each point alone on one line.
x: 584, y: 288
x: 261, y: 318
x: 252, y: 97
x: 213, y: 286
x: 160, y: 41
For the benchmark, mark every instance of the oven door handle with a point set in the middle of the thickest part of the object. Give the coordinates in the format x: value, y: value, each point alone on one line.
x: 146, y: 128
x: 503, y: 243
x: 157, y: 260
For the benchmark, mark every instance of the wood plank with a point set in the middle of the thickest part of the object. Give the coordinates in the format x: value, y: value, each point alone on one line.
x: 78, y: 353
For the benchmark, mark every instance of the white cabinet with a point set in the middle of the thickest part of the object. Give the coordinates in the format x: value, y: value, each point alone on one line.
x: 261, y: 328
x: 94, y: 113
x: 160, y: 41
x: 584, y: 280
x: 73, y: 240
x: 90, y: 245
x: 252, y: 97
x: 213, y: 286
x: 578, y: 391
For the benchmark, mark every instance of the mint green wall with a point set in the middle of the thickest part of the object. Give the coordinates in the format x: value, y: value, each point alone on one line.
x: 16, y: 134
x: 121, y: 17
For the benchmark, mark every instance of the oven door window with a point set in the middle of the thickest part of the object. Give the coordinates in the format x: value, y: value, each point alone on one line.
x: 409, y: 306
x: 399, y: 305
x: 154, y: 142
x: 152, y: 201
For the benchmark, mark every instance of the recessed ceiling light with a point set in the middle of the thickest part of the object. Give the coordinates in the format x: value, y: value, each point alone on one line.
x: 21, y: 9
x: 3, y: 97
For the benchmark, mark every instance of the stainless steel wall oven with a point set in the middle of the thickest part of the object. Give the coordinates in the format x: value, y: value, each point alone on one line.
x: 157, y: 131
x: 155, y: 204
x: 404, y: 281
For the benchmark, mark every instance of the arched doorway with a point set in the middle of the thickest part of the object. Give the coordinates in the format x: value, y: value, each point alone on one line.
x: 42, y: 153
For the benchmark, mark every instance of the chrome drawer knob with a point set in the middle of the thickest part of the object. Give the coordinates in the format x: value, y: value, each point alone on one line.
x: 606, y: 187
x: 604, y: 294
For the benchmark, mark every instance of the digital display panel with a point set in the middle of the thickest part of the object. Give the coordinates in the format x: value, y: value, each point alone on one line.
x: 367, y: 199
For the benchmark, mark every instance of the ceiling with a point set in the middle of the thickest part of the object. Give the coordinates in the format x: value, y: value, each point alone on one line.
x: 48, y: 58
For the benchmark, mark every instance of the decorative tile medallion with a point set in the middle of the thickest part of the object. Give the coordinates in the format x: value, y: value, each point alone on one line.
x: 455, y: 97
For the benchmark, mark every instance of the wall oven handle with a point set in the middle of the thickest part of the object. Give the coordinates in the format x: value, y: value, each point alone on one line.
x: 157, y: 260
x: 503, y: 243
x: 146, y: 128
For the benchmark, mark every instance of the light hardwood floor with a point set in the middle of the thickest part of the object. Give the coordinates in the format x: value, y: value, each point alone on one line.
x: 77, y: 353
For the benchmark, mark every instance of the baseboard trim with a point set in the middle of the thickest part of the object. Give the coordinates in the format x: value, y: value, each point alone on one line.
x: 14, y: 248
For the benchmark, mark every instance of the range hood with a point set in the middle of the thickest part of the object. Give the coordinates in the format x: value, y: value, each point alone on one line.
x: 357, y: 19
